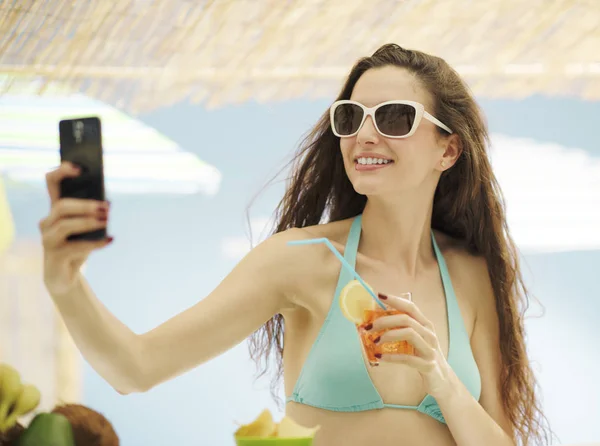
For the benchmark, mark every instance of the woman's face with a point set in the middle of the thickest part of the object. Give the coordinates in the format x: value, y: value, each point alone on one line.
x: 415, y: 160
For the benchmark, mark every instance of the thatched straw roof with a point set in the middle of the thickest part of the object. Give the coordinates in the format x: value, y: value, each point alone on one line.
x: 144, y: 54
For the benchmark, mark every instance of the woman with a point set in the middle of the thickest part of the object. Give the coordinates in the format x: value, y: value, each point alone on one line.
x: 399, y: 171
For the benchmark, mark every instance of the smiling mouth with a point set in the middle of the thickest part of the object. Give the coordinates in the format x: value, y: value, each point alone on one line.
x: 364, y: 164
x: 372, y: 161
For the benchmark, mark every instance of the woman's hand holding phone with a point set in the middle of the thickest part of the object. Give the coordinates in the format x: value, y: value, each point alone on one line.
x: 68, y: 216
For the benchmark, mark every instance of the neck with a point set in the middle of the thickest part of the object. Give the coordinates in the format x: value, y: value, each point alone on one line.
x: 397, y: 231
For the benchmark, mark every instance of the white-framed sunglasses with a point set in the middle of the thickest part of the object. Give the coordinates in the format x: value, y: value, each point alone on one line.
x: 392, y: 119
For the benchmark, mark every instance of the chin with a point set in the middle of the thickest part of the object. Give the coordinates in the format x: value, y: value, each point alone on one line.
x: 375, y: 187
x: 368, y: 187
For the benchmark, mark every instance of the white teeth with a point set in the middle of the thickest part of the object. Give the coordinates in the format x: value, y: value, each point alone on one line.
x: 368, y: 161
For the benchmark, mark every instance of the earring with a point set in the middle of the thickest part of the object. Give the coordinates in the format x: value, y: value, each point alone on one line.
x: 443, y: 164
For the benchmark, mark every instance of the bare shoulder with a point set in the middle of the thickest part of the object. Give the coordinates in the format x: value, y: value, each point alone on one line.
x: 470, y: 275
x: 278, y: 246
x: 299, y: 266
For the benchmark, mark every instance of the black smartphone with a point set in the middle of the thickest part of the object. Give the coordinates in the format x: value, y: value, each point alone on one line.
x: 81, y: 144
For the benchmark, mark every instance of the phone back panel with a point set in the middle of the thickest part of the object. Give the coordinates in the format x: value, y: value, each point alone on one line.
x: 81, y: 144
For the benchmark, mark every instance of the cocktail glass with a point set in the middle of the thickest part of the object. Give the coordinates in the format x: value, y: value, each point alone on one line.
x: 368, y: 336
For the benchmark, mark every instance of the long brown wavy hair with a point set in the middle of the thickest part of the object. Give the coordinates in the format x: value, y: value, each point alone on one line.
x: 468, y: 205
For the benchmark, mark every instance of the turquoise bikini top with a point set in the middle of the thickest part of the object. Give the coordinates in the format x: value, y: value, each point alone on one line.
x: 335, y: 376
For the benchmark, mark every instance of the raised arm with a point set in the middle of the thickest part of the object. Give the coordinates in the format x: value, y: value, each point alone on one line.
x: 251, y: 294
x: 255, y: 290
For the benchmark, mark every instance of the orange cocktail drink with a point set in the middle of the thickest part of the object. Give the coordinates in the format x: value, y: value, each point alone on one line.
x: 373, y: 349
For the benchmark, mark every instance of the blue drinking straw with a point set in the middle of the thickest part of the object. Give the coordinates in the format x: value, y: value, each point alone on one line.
x: 341, y: 258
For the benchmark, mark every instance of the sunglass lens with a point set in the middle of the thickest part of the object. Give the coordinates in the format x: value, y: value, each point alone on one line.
x: 347, y: 118
x: 395, y: 119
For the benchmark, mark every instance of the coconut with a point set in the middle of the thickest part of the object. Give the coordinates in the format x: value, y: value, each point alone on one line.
x: 90, y: 428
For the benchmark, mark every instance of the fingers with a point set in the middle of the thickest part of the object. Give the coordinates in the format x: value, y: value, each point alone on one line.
x: 54, y: 178
x: 394, y: 321
x: 70, y: 216
x: 408, y: 307
x: 57, y: 235
x: 426, y: 350
x: 74, y: 207
x: 398, y: 324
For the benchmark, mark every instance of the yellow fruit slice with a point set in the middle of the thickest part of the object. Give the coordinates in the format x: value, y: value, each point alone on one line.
x: 354, y: 300
x: 288, y: 428
x: 263, y: 426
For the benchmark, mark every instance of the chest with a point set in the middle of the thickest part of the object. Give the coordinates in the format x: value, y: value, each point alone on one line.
x: 396, y: 384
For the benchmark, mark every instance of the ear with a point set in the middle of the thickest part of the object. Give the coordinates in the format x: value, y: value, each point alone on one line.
x: 452, y: 146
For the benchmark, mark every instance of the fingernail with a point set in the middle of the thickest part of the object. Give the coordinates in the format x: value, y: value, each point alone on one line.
x: 109, y: 240
x: 377, y: 339
x: 382, y: 296
x: 101, y: 217
x: 368, y: 327
x: 378, y: 355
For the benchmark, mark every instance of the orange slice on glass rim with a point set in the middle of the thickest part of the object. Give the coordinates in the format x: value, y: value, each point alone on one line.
x: 354, y: 300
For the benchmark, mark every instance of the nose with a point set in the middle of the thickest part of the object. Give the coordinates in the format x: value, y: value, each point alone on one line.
x: 368, y: 134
